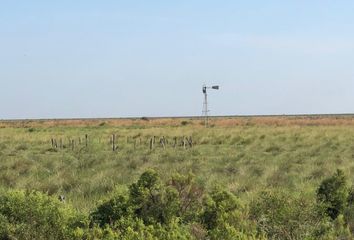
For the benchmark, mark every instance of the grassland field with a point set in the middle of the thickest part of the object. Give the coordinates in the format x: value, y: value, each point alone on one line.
x: 244, y: 155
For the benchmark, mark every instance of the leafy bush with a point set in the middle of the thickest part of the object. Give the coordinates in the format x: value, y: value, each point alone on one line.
x: 111, y: 211
x: 333, y: 192
x: 280, y: 215
x: 181, y: 209
x: 148, y: 200
x: 33, y: 215
x: 224, y: 218
x: 151, y: 200
x: 190, y: 195
x: 221, y: 206
x: 175, y: 210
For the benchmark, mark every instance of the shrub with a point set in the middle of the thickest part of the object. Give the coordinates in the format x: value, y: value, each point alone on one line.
x: 148, y: 199
x: 190, y: 196
x: 151, y: 200
x: 111, y: 211
x: 280, y: 215
x: 220, y: 206
x: 333, y: 192
x: 184, y: 123
x: 224, y: 217
x: 102, y: 124
x: 33, y: 215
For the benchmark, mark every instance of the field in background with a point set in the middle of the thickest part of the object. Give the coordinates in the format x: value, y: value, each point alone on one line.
x: 227, y: 121
x: 245, y: 155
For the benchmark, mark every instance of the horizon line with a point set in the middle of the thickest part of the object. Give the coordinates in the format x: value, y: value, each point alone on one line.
x: 181, y: 117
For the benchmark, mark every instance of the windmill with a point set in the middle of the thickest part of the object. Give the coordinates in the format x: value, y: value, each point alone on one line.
x: 205, y: 103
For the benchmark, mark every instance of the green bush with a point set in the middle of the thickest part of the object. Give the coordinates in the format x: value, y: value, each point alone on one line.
x: 111, y: 211
x: 333, y: 192
x: 181, y: 209
x: 148, y: 199
x: 190, y: 195
x: 224, y: 217
x: 33, y: 215
x: 220, y: 206
x: 151, y: 200
x: 175, y: 210
x: 280, y: 215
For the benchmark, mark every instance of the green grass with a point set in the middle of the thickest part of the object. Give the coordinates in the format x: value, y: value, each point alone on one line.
x: 244, y: 159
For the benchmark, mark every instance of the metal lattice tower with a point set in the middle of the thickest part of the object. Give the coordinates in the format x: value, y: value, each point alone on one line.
x: 205, y: 104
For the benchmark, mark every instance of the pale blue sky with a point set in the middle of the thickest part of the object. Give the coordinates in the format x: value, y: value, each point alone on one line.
x: 64, y: 59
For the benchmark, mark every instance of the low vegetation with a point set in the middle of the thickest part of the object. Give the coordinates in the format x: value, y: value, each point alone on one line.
x: 182, y: 209
x: 241, y: 181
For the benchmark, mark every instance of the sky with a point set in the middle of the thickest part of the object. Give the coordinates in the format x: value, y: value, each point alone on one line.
x: 88, y: 59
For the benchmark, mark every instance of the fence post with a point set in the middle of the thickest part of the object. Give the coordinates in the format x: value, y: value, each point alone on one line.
x: 113, y: 142
x: 151, y: 143
x: 162, y: 142
x: 190, y: 141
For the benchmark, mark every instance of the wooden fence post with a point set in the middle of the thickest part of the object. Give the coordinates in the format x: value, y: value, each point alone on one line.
x: 190, y: 141
x: 113, y: 142
x: 162, y: 142
x: 151, y: 143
